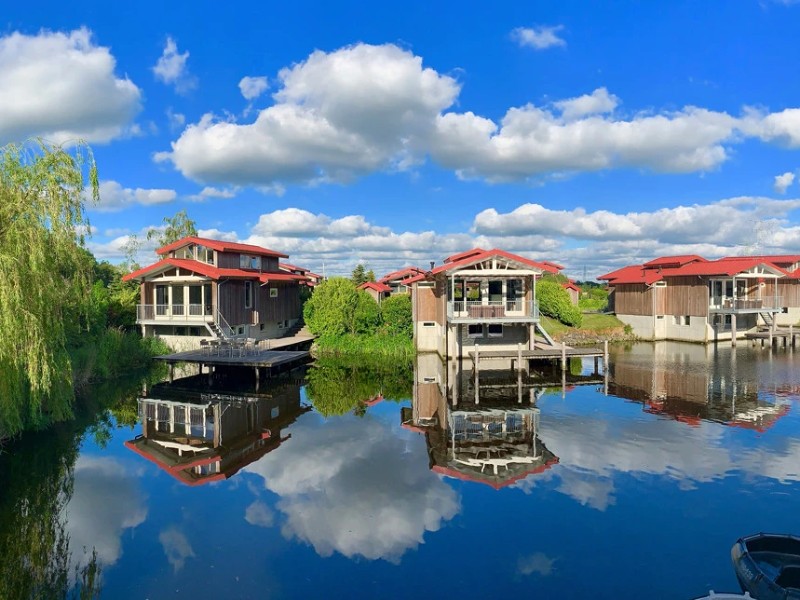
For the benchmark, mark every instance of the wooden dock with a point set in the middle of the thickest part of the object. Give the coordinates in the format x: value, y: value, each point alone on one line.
x: 782, y: 336
x: 264, y: 358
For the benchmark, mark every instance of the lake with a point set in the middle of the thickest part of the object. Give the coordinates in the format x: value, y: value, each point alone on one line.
x: 356, y: 482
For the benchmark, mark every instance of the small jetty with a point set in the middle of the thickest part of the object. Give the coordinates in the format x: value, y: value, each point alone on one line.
x: 553, y: 352
x: 780, y: 336
x: 265, y: 356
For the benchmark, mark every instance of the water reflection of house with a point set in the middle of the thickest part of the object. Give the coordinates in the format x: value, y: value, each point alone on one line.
x: 692, y: 383
x: 494, y: 442
x: 209, y: 437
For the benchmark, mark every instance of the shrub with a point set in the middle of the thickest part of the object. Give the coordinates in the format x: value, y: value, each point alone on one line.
x: 554, y: 302
x: 396, y: 312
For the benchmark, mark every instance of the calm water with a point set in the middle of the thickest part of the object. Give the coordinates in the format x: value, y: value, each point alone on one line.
x: 358, y: 484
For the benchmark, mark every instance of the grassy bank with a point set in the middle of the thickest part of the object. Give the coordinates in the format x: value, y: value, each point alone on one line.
x: 596, y: 327
x: 369, y: 346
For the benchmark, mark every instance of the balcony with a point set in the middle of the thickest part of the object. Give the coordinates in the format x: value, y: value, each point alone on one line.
x: 173, y: 313
x: 497, y: 311
x: 729, y: 305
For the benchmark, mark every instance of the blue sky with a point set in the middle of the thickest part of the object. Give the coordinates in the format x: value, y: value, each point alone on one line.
x: 592, y: 134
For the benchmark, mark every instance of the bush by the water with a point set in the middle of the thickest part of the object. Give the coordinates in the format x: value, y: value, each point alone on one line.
x: 350, y: 321
x: 554, y: 302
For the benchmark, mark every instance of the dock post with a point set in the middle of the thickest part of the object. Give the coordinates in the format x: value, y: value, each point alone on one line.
x: 171, y: 372
x: 733, y: 330
x: 563, y: 357
x: 477, y: 370
x: 519, y: 357
x: 605, y: 356
x: 258, y: 377
x: 596, y: 365
x: 210, y: 375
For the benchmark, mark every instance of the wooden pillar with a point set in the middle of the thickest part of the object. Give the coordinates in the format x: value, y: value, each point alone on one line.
x: 519, y: 358
x: 563, y: 357
x: 258, y: 377
x: 596, y: 365
x: 477, y: 377
x: 733, y: 329
x: 171, y: 372
x: 605, y: 357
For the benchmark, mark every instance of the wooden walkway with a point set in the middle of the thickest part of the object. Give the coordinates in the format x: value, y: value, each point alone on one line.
x: 266, y: 357
x: 782, y: 336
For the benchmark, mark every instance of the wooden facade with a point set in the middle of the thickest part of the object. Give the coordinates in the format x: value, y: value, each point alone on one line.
x: 184, y: 296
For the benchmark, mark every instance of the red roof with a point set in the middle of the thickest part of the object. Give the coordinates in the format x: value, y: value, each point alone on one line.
x: 461, y: 255
x: 571, y: 285
x: 401, y: 274
x: 375, y: 285
x: 556, y: 266
x: 674, y: 261
x: 470, y: 257
x: 220, y: 246
x: 211, y: 271
x: 689, y: 265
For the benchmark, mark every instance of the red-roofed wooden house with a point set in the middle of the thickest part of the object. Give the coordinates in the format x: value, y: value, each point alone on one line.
x: 396, y: 281
x: 211, y: 288
x: 377, y: 290
x: 485, y: 297
x: 693, y: 299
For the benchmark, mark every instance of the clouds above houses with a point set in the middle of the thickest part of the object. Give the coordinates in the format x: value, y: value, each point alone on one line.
x: 115, y: 197
x: 64, y: 88
x: 596, y: 240
x: 366, y: 108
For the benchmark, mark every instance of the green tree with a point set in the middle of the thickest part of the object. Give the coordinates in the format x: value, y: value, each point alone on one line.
x: 359, y: 275
x: 554, y: 302
x: 396, y: 313
x: 175, y: 228
x: 337, y: 307
x: 371, y: 276
x: 44, y: 276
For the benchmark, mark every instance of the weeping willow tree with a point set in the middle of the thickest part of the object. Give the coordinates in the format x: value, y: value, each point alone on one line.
x: 44, y: 277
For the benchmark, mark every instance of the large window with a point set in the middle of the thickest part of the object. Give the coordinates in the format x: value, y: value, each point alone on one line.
x: 495, y: 291
x: 249, y: 262
x: 475, y: 331
x: 248, y: 294
x: 473, y: 290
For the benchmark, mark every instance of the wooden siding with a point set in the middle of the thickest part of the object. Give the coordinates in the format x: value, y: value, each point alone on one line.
x: 685, y: 296
x: 426, y: 305
x: 681, y: 296
x: 230, y: 260
x: 286, y: 306
x: 788, y: 290
x: 633, y: 299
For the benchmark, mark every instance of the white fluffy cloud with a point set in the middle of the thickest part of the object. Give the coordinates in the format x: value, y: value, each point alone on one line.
x: 253, y: 87
x: 114, y: 197
x: 538, y: 38
x: 337, y: 115
x: 361, y: 109
x: 782, y: 182
x: 598, y: 102
x: 323, y: 508
x: 64, y: 88
x: 533, y: 141
x: 172, y: 69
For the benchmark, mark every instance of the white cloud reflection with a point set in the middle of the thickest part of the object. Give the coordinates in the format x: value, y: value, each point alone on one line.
x: 356, y: 488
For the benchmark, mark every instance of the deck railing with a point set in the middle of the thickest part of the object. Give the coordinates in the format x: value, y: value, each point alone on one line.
x: 176, y: 312
x: 492, y: 309
x: 727, y: 303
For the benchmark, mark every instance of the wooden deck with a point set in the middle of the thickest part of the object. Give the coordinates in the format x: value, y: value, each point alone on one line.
x: 554, y: 352
x: 258, y: 358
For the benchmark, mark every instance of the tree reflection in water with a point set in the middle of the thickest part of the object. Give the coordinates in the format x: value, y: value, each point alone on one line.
x: 336, y: 386
x: 37, y: 475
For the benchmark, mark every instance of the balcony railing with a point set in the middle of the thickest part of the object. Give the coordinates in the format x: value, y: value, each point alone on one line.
x: 729, y: 304
x: 508, y: 310
x: 173, y: 312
